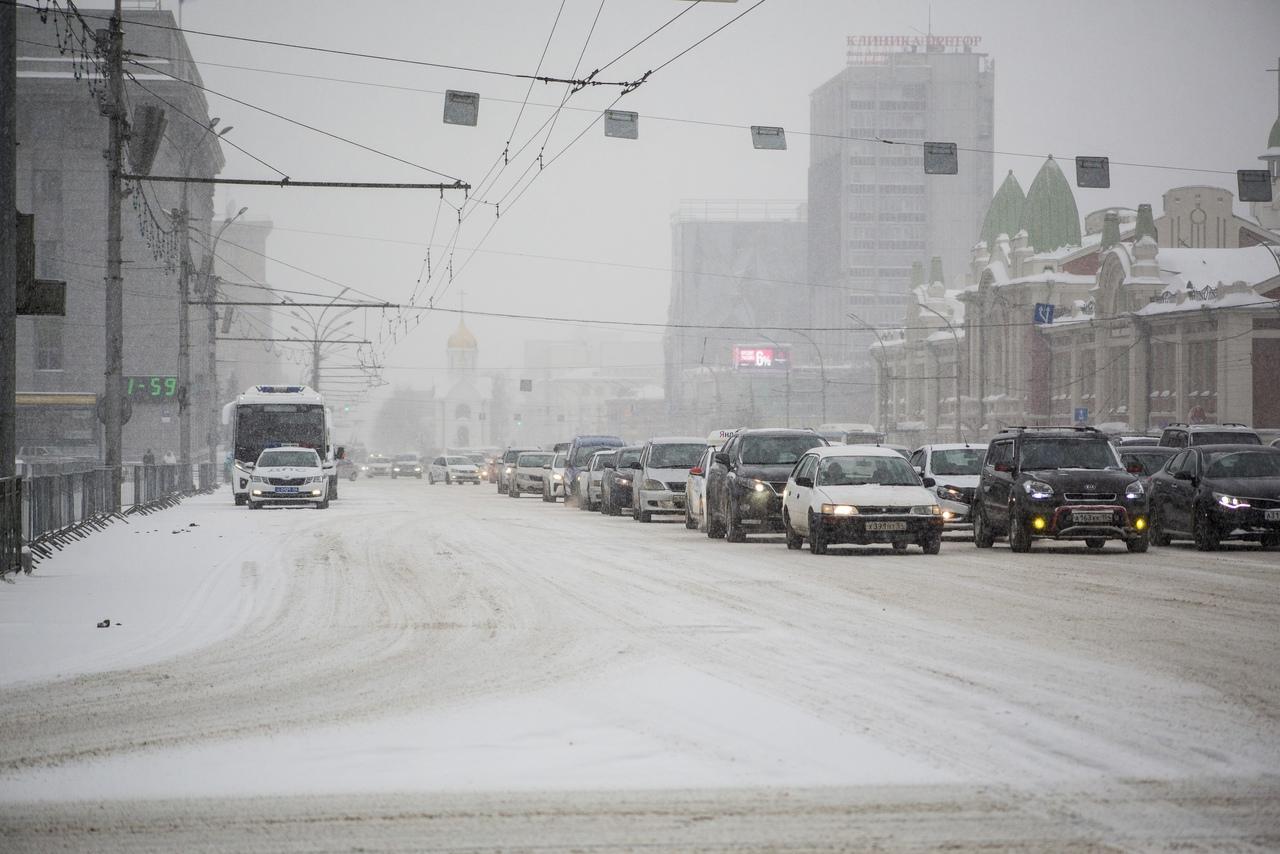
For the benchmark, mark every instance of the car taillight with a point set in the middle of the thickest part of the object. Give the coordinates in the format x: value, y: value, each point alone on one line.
x: 696, y: 471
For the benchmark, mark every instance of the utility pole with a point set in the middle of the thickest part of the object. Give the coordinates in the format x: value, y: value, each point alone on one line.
x: 184, y: 343
x: 113, y: 392
x: 8, y: 235
x: 315, y: 364
x: 211, y: 375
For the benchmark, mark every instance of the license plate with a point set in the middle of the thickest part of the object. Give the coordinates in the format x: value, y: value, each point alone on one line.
x: 1272, y: 515
x: 286, y: 489
x: 886, y: 526
x: 1091, y: 518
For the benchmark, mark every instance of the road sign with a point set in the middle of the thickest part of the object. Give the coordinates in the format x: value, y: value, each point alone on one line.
x: 1254, y: 185
x: 768, y: 137
x: 1044, y: 312
x: 1081, y: 414
x: 526, y: 385
x: 1093, y: 172
x: 622, y: 124
x: 940, y: 158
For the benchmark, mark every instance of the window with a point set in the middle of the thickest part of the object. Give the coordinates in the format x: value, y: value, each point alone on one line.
x: 48, y: 335
x: 1001, y: 452
x: 463, y: 412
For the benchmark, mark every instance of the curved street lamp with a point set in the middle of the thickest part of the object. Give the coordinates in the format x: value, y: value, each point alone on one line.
x: 208, y: 292
x: 956, y: 338
x: 883, y: 385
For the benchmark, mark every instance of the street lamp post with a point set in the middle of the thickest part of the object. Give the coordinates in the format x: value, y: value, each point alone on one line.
x: 956, y: 338
x: 184, y: 307
x: 208, y: 292
x: 776, y: 348
x: 883, y: 384
x: 319, y: 331
x: 822, y: 369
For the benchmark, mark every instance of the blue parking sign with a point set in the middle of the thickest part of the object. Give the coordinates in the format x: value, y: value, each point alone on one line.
x: 1044, y: 312
x: 1081, y: 414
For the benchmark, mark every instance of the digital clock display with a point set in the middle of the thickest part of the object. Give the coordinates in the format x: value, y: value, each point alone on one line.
x: 151, y: 388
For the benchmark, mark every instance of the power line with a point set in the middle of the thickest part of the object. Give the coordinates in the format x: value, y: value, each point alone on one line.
x: 196, y: 121
x: 293, y: 121
x: 676, y: 119
x: 289, y: 182
x: 349, y: 53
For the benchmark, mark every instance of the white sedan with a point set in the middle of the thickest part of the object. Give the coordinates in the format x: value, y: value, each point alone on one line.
x: 453, y: 469
x: 859, y: 494
x: 288, y: 475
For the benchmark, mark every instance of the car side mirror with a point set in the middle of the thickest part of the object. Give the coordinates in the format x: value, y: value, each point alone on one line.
x: 928, y: 481
x: 721, y: 458
x: 635, y: 465
x: 1004, y: 467
x: 804, y: 481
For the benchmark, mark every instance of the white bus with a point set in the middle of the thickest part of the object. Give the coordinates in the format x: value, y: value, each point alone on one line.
x: 268, y: 416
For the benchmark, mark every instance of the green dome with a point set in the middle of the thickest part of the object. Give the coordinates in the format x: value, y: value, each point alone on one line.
x: 1049, y: 214
x: 1005, y: 211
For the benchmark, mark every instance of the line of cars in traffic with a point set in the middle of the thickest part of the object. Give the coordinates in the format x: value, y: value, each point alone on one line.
x: 1204, y: 483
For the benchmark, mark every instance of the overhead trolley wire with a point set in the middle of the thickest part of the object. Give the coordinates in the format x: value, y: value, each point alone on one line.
x: 297, y: 122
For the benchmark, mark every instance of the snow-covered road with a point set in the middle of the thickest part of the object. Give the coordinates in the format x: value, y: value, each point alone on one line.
x: 449, y: 650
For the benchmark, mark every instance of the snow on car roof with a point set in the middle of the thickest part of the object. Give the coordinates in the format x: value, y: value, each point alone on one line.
x: 855, y: 451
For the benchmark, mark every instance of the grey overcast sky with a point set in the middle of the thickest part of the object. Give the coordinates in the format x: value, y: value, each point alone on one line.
x: 1170, y: 82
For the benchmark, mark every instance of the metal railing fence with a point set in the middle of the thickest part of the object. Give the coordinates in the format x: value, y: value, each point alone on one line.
x: 10, y: 524
x: 55, y: 509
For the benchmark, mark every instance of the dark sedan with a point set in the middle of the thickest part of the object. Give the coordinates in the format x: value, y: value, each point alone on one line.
x: 1211, y: 493
x: 1144, y: 460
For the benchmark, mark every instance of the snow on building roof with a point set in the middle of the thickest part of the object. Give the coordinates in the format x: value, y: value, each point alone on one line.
x: 1207, y: 267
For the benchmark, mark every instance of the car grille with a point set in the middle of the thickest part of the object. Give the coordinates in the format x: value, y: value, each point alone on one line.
x: 1091, y: 496
x: 286, y: 481
x: 1264, y: 503
x: 875, y: 510
x: 675, y: 486
x: 536, y: 478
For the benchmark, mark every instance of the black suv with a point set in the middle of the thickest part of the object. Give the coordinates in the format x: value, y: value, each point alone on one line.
x: 1190, y: 435
x: 1061, y: 483
x: 747, y: 477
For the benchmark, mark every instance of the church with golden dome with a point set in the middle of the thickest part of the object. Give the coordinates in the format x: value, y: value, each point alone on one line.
x: 464, y: 401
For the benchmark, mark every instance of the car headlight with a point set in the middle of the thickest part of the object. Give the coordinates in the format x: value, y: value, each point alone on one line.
x: 1230, y: 502
x: 558, y: 476
x: 839, y: 510
x: 1134, y: 490
x: 949, y: 492
x: 257, y: 479
x: 364, y: 468
x: 650, y: 483
x: 509, y: 470
x: 316, y: 479
x: 417, y: 468
x: 622, y: 481
x: 926, y: 510
x: 1038, y: 489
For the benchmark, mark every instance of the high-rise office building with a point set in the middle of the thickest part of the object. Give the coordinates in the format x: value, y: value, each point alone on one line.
x: 873, y: 211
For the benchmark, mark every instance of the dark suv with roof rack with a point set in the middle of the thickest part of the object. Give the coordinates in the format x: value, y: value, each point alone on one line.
x: 1060, y: 483
x: 1190, y: 435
